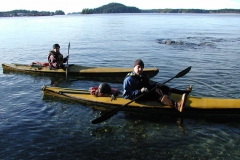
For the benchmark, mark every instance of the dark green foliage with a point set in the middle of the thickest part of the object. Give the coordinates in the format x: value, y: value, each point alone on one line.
x: 191, y: 11
x: 59, y: 12
x: 112, y: 8
x: 87, y: 11
x: 19, y: 13
x: 120, y: 8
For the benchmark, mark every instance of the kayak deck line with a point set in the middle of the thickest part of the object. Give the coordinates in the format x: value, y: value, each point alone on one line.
x: 77, y: 70
x: 193, y: 103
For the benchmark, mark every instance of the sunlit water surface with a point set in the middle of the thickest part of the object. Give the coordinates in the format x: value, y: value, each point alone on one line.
x: 34, y: 127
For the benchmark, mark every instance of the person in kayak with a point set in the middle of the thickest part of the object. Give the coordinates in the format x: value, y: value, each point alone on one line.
x: 55, y: 58
x: 137, y: 83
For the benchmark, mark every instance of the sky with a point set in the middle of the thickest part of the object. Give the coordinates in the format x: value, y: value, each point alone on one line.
x: 69, y: 6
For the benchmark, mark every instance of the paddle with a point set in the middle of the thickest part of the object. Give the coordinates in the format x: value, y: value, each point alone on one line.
x: 67, y: 60
x: 114, y: 111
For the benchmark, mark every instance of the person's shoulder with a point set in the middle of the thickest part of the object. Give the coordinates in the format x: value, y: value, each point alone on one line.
x: 51, y: 52
x: 130, y: 74
x: 129, y: 79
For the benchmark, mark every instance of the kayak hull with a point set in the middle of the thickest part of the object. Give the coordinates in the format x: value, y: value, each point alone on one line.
x: 193, y: 104
x: 76, y: 70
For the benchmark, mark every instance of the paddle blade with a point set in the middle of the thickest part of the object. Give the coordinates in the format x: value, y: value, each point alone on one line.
x: 68, y: 47
x: 106, y: 116
x: 182, y: 73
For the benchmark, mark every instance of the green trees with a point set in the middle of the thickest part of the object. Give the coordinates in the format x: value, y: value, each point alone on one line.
x: 120, y: 8
x: 20, y: 13
x: 87, y: 11
x: 112, y: 8
x: 196, y: 11
x: 59, y: 12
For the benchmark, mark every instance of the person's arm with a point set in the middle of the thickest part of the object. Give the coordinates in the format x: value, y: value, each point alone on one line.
x: 50, y: 59
x: 130, y: 90
x: 52, y: 62
x: 65, y: 59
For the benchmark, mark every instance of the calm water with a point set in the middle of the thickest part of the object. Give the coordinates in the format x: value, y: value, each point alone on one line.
x: 34, y: 127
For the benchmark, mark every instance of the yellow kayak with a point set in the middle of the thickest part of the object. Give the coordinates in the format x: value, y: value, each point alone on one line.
x: 75, y: 70
x: 193, y: 103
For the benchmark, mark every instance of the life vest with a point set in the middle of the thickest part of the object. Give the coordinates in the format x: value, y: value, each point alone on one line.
x: 143, y: 79
x: 57, y: 57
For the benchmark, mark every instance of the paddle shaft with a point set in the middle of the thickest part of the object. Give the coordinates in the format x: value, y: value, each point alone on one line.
x: 68, y: 51
x: 114, y: 111
x: 67, y: 60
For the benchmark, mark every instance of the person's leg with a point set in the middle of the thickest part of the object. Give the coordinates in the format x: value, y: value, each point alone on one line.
x: 170, y: 102
x: 167, y: 90
x: 162, y: 95
x: 178, y: 91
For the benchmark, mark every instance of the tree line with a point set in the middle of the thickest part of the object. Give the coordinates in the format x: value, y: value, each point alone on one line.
x: 113, y: 8
x: 120, y: 8
x: 20, y: 13
x: 192, y: 11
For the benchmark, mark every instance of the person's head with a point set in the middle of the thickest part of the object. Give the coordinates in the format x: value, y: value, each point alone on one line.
x: 56, y: 47
x: 138, y: 66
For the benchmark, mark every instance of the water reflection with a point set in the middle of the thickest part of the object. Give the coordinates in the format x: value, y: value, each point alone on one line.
x: 55, y: 81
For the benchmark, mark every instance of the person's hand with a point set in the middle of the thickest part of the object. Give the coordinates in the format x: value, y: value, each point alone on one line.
x: 144, y: 90
x: 67, y: 57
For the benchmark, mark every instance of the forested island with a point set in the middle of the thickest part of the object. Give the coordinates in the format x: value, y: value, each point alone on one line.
x: 113, y: 8
x: 120, y: 8
x: 21, y: 13
x: 190, y: 11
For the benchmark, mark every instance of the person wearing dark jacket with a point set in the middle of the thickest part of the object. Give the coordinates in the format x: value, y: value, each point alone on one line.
x: 137, y: 83
x: 55, y: 58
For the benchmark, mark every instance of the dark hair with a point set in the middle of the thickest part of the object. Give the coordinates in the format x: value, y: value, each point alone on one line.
x: 139, y: 62
x: 56, y: 46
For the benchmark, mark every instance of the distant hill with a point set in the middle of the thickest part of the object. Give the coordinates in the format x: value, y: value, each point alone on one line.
x: 22, y: 12
x: 111, y: 8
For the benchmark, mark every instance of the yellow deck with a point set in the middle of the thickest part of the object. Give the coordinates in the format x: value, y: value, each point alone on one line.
x: 78, y: 70
x: 197, y: 103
